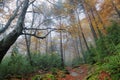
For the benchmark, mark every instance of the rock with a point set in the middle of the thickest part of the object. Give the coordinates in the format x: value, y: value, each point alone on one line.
x: 81, y: 71
x: 74, y: 74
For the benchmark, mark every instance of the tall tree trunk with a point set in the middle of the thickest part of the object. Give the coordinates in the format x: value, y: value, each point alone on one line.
x: 46, y: 43
x: 39, y: 46
x: 89, y: 20
x: 33, y: 19
x: 28, y: 49
x: 81, y: 30
x: 77, y: 48
x: 81, y: 46
x: 80, y: 43
x: 61, y: 46
x: 96, y: 23
x: 28, y: 39
x: 36, y: 45
x: 10, y: 39
x: 51, y: 51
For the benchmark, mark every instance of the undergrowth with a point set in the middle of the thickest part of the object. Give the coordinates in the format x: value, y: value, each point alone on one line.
x: 105, y: 57
x: 19, y: 64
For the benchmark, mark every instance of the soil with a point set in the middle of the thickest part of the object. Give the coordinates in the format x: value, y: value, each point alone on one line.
x: 78, y: 73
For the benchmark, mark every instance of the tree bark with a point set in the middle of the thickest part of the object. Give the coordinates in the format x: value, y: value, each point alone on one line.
x: 10, y: 39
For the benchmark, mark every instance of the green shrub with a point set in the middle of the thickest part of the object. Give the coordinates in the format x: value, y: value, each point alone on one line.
x: 77, y: 62
x: 54, y: 71
x: 46, y: 61
x: 15, y: 65
x: 90, y: 55
x: 112, y: 65
x: 114, y: 33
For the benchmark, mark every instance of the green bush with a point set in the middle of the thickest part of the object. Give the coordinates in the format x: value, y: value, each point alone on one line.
x: 15, y: 65
x: 46, y: 61
x: 90, y: 56
x: 112, y: 64
x: 114, y: 33
x: 77, y: 62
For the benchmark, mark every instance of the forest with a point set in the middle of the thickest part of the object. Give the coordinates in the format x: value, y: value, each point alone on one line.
x: 59, y: 39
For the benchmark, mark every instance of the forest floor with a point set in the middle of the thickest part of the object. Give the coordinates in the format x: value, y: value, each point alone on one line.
x: 76, y: 73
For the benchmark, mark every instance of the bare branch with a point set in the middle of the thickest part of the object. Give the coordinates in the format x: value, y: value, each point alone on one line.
x: 32, y: 2
x: 42, y: 29
x: 41, y: 37
x: 32, y: 12
x: 38, y: 9
x: 51, y: 3
x: 50, y: 19
x: 10, y: 20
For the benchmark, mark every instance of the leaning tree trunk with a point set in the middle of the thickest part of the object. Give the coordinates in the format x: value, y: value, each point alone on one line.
x: 89, y: 20
x: 10, y: 39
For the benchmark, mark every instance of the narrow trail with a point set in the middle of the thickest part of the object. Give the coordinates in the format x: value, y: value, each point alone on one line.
x: 78, y: 73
